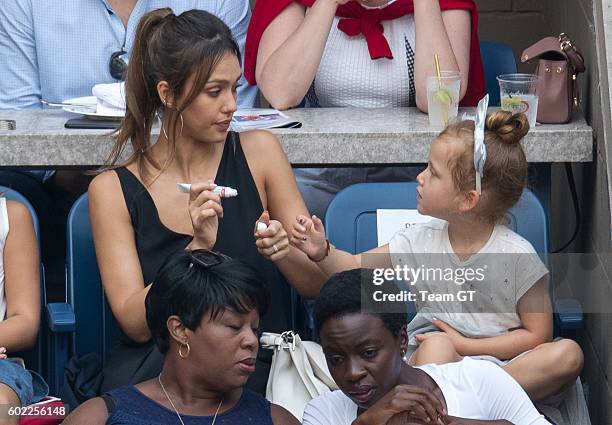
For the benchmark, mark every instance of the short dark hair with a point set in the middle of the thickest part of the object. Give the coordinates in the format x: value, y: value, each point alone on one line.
x: 192, y: 283
x: 342, y: 295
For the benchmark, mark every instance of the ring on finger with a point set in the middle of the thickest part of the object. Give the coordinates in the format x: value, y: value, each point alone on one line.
x: 275, y: 248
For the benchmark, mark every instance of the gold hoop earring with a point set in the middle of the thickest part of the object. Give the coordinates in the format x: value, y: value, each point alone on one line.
x: 182, y: 124
x: 180, y: 351
x: 161, y: 124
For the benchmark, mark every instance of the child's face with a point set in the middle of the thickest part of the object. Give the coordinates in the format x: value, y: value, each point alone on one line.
x: 437, y: 195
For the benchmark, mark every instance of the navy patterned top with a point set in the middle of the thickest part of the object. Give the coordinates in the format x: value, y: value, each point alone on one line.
x: 128, y: 406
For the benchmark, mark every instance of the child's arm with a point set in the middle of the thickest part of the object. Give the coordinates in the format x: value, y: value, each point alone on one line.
x: 535, y: 311
x: 21, y: 281
x: 308, y: 235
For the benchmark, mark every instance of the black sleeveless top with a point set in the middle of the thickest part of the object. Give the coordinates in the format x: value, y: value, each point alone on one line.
x: 154, y: 242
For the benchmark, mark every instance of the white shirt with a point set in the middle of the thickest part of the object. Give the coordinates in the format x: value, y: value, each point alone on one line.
x: 60, y: 50
x: 507, y: 263
x: 473, y: 389
x: 347, y: 76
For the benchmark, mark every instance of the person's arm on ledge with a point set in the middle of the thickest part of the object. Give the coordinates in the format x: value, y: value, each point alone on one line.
x: 445, y: 33
x: 290, y: 51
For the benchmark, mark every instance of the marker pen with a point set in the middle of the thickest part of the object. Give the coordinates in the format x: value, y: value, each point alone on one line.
x: 222, y: 191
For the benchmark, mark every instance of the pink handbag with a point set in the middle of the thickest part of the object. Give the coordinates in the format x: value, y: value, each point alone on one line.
x: 559, y: 62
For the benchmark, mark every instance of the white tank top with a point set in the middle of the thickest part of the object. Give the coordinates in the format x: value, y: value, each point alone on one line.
x: 347, y: 76
x: 4, y: 229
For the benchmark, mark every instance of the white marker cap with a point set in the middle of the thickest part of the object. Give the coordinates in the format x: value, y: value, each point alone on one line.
x: 225, y: 192
x: 261, y: 226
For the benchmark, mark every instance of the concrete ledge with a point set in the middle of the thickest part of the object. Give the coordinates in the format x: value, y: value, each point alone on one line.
x: 328, y: 136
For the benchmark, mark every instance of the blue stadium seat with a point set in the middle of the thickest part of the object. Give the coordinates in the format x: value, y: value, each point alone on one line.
x: 350, y: 223
x: 40, y: 357
x: 95, y: 323
x: 497, y: 59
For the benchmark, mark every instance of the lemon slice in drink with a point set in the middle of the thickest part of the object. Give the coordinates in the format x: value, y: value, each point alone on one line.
x: 511, y: 103
x: 443, y: 97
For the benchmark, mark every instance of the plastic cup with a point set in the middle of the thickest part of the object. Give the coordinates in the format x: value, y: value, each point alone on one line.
x: 519, y: 93
x: 443, y: 98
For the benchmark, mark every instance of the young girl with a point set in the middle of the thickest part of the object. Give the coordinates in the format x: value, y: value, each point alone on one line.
x: 19, y: 306
x: 469, y: 221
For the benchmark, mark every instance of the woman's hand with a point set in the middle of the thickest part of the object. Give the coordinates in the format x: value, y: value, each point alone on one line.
x: 308, y: 235
x: 2, y: 353
x: 273, y: 242
x: 403, y: 404
x: 204, y: 209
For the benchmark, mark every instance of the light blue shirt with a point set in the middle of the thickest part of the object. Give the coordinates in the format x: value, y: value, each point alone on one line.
x: 57, y: 50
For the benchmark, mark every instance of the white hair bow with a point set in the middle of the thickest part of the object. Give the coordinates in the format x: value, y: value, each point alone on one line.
x: 480, y: 150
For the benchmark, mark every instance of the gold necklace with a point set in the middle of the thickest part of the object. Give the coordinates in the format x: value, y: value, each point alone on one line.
x: 176, y: 411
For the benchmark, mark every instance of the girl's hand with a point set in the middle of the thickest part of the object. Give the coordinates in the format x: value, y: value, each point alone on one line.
x: 2, y: 353
x: 308, y: 235
x: 272, y: 243
x: 205, y: 209
x: 405, y: 404
x: 455, y: 336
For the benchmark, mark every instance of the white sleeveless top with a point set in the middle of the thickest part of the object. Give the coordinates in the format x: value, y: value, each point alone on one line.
x: 4, y: 229
x: 347, y: 76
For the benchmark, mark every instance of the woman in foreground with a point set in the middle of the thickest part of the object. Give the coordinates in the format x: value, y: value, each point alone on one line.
x: 203, y: 312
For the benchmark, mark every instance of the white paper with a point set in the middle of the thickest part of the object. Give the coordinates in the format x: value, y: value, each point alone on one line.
x: 254, y: 118
x: 389, y: 222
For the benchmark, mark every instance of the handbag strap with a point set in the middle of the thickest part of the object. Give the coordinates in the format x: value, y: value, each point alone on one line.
x: 273, y: 341
x: 562, y: 45
x: 573, y: 55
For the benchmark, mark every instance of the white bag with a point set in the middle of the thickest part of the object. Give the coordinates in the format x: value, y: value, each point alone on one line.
x: 299, y: 371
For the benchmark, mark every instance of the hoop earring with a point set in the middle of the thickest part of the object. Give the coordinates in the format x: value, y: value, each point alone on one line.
x: 180, y: 351
x: 182, y: 124
x: 161, y: 124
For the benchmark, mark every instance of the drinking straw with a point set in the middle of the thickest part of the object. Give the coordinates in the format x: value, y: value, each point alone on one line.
x: 438, y: 70
x: 446, y: 102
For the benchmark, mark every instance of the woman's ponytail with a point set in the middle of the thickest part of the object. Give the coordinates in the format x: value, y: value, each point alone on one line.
x: 142, y: 101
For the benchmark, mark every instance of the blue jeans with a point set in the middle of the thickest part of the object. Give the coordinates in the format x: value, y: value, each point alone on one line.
x: 28, y: 385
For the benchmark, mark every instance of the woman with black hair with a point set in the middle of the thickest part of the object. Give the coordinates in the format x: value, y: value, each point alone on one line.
x: 203, y: 312
x: 365, y: 354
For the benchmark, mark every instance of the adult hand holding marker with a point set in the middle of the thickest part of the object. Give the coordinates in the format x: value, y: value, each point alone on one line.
x: 205, y: 210
x: 271, y: 238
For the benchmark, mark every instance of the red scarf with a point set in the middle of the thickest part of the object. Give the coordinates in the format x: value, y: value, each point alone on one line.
x: 359, y: 20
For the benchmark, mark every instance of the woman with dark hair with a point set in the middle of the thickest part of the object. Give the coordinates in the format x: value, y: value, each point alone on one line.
x: 183, y: 72
x: 203, y: 313
x: 364, y: 349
